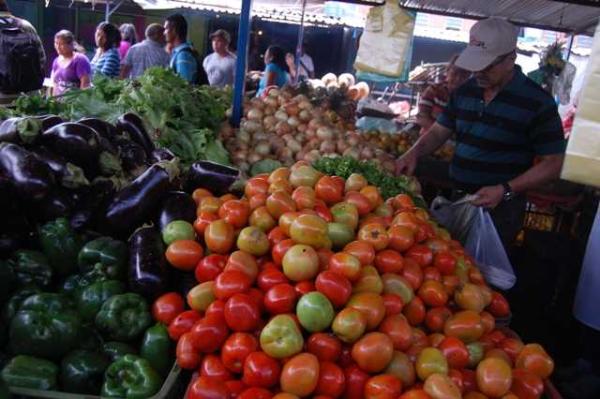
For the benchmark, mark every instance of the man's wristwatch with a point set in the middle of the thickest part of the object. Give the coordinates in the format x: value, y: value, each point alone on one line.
x: 508, y: 192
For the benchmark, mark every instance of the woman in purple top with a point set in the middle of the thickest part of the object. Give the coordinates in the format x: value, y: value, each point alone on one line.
x: 128, y: 39
x: 71, y: 69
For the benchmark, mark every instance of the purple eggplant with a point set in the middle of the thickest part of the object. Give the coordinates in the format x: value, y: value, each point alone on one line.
x: 178, y: 205
x: 104, y: 129
x: 31, y: 178
x: 49, y: 121
x: 67, y: 174
x: 148, y: 271
x: 161, y: 154
x: 137, y: 202
x: 58, y: 203
x: 133, y: 157
x: 213, y: 176
x: 90, y: 208
x: 134, y: 127
x: 20, y: 130
x: 76, y: 143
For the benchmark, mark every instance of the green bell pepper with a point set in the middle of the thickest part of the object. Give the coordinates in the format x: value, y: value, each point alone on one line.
x: 91, y: 298
x: 131, y: 377
x: 7, y: 280
x: 90, y: 339
x: 74, y: 283
x: 83, y: 372
x: 61, y: 245
x: 32, y: 267
x: 30, y: 372
x: 156, y: 348
x: 116, y: 350
x: 123, y: 317
x: 108, y: 254
x: 46, y: 325
x: 12, y: 305
x: 4, y: 393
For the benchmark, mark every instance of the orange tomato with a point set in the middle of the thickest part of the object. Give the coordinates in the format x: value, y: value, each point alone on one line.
x: 401, y: 238
x: 373, y: 352
x: 465, y: 325
x: 329, y: 190
x: 433, y: 293
x: 362, y: 250
x: 534, y: 359
x: 300, y: 375
x: 235, y: 212
x: 202, y: 222
x: 383, y: 386
x: 210, y: 204
x: 184, y: 254
x: 403, y: 201
x: 256, y: 186
x: 415, y: 393
x: 219, y: 237
x: 345, y: 264
x: 243, y: 262
x: 371, y: 305
x: 199, y: 194
x: 375, y: 234
x: 494, y: 377
x: 257, y: 200
x: 261, y: 218
x: 286, y: 220
x: 406, y: 219
x: 279, y: 203
x: 399, y: 330
x: 304, y: 197
x: 281, y: 185
x: 282, y: 173
x: 372, y: 194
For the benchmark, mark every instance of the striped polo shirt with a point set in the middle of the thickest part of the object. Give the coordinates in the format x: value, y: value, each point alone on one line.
x: 498, y: 141
x: 107, y: 64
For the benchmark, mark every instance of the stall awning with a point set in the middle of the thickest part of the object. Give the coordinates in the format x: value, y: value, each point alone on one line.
x: 579, y: 16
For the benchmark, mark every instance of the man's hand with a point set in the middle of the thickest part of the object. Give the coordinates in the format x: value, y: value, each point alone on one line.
x: 489, y: 197
x: 406, y: 164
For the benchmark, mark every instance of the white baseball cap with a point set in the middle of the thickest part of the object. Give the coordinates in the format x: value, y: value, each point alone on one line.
x: 488, y: 39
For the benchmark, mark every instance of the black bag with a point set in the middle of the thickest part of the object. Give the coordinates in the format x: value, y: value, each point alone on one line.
x: 20, y: 64
x: 201, y: 77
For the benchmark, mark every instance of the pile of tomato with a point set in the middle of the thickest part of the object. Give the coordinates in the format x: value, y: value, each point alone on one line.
x: 314, y: 286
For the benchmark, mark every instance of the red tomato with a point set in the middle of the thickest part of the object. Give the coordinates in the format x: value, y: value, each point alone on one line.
x: 415, y: 311
x: 255, y: 186
x: 270, y: 277
x: 362, y: 250
x: 209, y: 267
x: 186, y: 354
x: 383, y: 386
x: 167, y: 307
x: 435, y: 319
x: 199, y: 194
x: 375, y: 234
x: 207, y: 388
x: 346, y: 265
x: 304, y: 287
x: 216, y: 309
x: 415, y: 393
x: 371, y: 305
x: 360, y: 201
x: 400, y: 332
x: 276, y: 235
x: 231, y: 282
x: 422, y: 254
x: 431, y: 273
x: 235, y: 388
x: 183, y: 323
x: 261, y: 370
x: 457, y: 378
x: 202, y: 222
x: 209, y: 334
x: 279, y: 203
x: 244, y: 262
x: 258, y: 296
x: 242, y: 313
x: 328, y: 190
x: 469, y: 380
x: 512, y: 347
x: 184, y: 254
x: 401, y: 238
x: 300, y: 374
x: 445, y: 262
x: 235, y: 212
x: 526, y: 385
x: 373, y: 352
x: 324, y: 255
x: 213, y: 367
x: 257, y: 201
x: 279, y: 250
x: 331, y: 380
x: 499, y: 306
x: 235, y: 350
x: 413, y: 273
x: 323, y: 212
x: 334, y: 286
x: 372, y: 195
x: 255, y: 393
x: 389, y: 261
x: 326, y: 347
x: 304, y: 197
x: 433, y: 293
x: 455, y: 352
x: 219, y: 237
x: 280, y: 299
x: 393, y: 304
x: 356, y: 379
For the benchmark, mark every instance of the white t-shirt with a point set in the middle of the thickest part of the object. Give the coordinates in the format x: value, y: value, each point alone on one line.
x: 220, y: 70
x: 306, y: 63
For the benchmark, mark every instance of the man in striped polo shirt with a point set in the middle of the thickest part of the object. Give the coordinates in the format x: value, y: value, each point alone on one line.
x: 503, y: 121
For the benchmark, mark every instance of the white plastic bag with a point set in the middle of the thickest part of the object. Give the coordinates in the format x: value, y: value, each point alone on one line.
x: 484, y: 245
x: 456, y: 217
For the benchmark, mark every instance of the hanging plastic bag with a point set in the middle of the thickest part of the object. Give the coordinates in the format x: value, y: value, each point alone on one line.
x: 484, y: 245
x: 456, y: 217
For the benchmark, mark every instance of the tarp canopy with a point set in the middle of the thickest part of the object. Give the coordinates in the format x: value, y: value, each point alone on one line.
x: 578, y: 16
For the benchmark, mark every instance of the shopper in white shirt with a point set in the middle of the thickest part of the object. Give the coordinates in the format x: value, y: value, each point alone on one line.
x: 220, y: 65
x: 306, y: 67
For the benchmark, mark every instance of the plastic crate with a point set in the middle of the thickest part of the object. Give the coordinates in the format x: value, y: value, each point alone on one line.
x: 168, y: 390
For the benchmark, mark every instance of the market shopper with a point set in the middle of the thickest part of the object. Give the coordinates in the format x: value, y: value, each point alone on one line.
x: 106, y: 61
x: 275, y: 73
x: 128, y: 39
x: 71, y: 68
x: 502, y: 120
x: 149, y: 53
x: 220, y: 65
x: 184, y: 58
x: 434, y: 99
x: 29, y: 76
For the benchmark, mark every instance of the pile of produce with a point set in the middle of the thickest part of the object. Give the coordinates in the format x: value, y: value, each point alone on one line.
x: 178, y: 116
x: 76, y: 315
x: 285, y: 128
x: 313, y: 286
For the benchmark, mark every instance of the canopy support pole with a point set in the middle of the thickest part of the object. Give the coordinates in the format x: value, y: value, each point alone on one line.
x: 299, y: 44
x: 570, y: 48
x: 240, y: 67
x: 110, y: 11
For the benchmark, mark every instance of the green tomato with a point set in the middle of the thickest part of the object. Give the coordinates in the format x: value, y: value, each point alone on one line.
x: 340, y: 234
x: 178, y: 230
x: 281, y: 337
x: 300, y: 263
x: 315, y: 312
x: 476, y: 353
x: 346, y: 213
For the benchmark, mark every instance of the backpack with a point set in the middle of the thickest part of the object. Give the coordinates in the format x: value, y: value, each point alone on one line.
x: 201, y: 76
x: 20, y: 64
